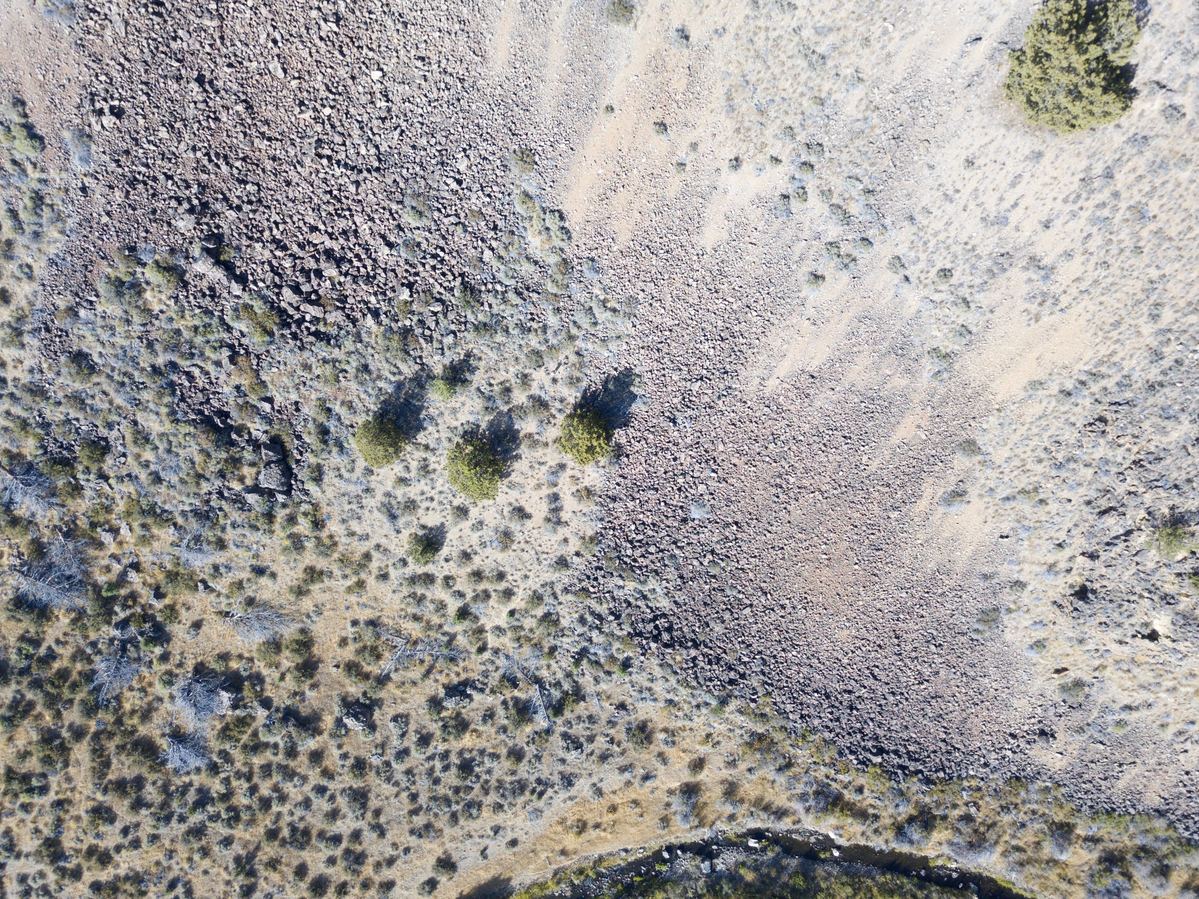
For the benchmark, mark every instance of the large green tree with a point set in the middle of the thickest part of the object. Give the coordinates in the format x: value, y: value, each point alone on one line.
x: 1074, y: 69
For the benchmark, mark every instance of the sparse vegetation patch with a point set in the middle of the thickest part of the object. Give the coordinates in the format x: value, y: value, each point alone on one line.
x: 271, y: 627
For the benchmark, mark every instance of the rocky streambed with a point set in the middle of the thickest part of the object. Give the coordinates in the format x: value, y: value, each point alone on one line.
x: 767, y: 863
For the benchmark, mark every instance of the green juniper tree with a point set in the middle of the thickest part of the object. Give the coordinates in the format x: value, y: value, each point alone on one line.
x: 474, y: 469
x: 1074, y: 70
x: 586, y: 437
x: 380, y: 441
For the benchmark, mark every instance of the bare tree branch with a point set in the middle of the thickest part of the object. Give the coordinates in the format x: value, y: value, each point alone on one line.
x: 260, y: 623
x: 514, y: 668
x: 185, y: 754
x: 114, y: 673
x: 25, y: 487
x: 406, y: 651
x: 193, y: 551
x: 198, y: 700
x: 55, y: 580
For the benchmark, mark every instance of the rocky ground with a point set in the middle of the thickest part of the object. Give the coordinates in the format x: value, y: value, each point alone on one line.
x: 749, y: 864
x: 898, y: 538
x: 852, y: 265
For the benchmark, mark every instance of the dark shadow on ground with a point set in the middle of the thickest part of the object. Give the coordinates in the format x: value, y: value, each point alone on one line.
x: 498, y: 887
x: 459, y: 373
x: 405, y: 405
x: 613, y: 399
x: 503, y: 436
x: 433, y: 538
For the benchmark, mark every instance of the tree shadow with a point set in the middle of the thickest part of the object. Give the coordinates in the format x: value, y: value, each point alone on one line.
x: 613, y: 399
x: 503, y: 436
x: 432, y: 539
x: 498, y: 887
x: 405, y: 405
x: 459, y: 373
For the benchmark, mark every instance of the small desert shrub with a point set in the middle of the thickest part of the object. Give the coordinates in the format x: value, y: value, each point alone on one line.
x: 379, y: 441
x: 450, y: 381
x: 474, y: 469
x: 586, y: 437
x: 91, y: 454
x: 1173, y: 540
x: 179, y: 582
x: 21, y: 139
x: 260, y: 321
x: 299, y: 645
x: 641, y: 733
x: 1073, y: 71
x: 621, y: 11
x: 442, y: 389
x: 423, y: 546
x: 162, y: 275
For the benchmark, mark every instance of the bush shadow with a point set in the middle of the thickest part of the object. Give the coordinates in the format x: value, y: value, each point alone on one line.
x: 503, y: 436
x: 498, y: 887
x: 613, y: 399
x: 405, y: 405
